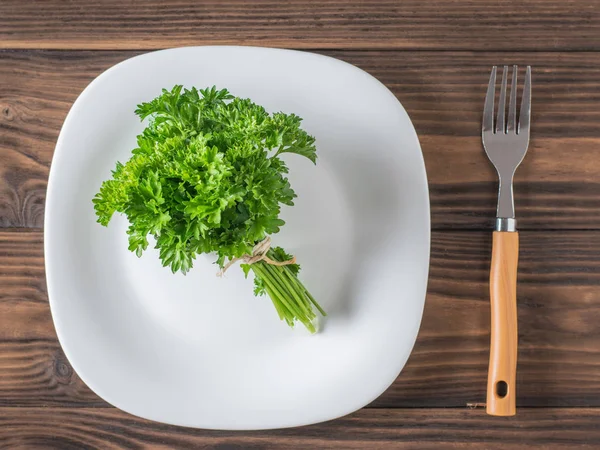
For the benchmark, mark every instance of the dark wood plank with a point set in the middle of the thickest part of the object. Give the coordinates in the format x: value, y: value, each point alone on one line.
x: 558, y: 314
x: 559, y: 326
x: 557, y: 186
x: 449, y: 24
x: 36, y: 372
x: 423, y: 429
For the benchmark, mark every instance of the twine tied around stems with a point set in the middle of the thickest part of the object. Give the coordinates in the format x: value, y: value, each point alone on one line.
x: 259, y: 253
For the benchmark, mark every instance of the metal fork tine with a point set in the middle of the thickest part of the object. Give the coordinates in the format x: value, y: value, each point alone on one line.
x: 525, y: 104
x: 488, y: 108
x: 500, y: 127
x: 512, y: 105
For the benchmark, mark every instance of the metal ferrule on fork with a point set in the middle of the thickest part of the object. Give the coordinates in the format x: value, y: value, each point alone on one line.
x: 506, y: 224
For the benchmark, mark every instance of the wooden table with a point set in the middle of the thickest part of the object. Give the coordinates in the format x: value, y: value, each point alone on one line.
x: 435, y: 56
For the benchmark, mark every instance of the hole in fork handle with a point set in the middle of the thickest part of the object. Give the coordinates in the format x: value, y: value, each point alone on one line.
x: 501, y: 389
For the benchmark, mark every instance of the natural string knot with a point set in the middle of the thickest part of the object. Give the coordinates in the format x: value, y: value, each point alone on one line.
x: 259, y: 253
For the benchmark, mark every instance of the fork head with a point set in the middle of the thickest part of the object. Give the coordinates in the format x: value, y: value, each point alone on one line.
x: 506, y: 139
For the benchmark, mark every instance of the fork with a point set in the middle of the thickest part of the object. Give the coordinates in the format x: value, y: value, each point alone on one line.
x: 505, y: 143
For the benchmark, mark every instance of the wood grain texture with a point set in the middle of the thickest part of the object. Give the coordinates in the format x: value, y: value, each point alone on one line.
x: 422, y: 429
x: 558, y: 309
x: 435, y: 56
x: 559, y: 331
x: 450, y: 25
x: 556, y: 187
x: 504, y: 332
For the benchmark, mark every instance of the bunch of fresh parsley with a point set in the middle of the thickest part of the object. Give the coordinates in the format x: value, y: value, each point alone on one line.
x: 206, y: 177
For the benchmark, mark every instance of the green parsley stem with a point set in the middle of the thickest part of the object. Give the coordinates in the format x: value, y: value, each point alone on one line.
x: 295, y: 279
x: 277, y: 273
x: 267, y: 278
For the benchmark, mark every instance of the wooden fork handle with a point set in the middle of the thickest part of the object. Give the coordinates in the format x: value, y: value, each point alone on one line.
x: 501, y: 392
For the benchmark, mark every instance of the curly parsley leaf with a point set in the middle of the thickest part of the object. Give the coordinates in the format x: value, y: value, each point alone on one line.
x: 207, y: 177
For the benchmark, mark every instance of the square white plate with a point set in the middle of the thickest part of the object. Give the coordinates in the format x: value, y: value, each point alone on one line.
x: 201, y: 351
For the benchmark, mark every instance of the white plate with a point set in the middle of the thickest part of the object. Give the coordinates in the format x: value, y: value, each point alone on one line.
x: 201, y: 351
